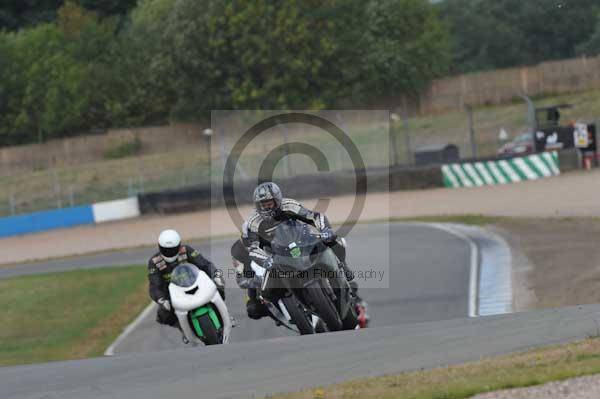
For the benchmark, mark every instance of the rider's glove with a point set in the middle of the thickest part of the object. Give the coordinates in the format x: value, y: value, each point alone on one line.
x: 165, y: 304
x: 268, y: 263
x: 218, y: 280
x: 327, y: 235
x: 255, y: 282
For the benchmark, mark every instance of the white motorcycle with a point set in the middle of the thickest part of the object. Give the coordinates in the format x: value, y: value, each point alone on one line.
x: 202, y: 313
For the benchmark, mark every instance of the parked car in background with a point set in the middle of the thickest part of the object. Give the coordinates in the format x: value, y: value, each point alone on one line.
x: 522, y: 144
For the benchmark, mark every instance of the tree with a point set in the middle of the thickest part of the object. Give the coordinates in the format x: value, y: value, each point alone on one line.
x: 144, y: 68
x: 488, y: 34
x: 179, y: 60
x: 18, y: 14
x: 592, y: 45
x: 406, y: 46
x: 60, y: 77
x: 108, y: 7
x: 258, y: 54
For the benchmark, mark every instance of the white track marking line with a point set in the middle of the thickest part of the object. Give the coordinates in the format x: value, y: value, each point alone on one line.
x: 110, y: 351
x: 474, y: 268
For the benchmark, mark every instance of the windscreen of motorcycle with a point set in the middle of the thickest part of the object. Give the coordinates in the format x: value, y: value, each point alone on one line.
x: 292, y: 244
x: 184, y: 275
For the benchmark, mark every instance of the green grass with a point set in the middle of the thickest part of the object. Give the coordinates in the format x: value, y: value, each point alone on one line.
x: 68, y: 315
x: 533, y: 367
x: 124, y: 150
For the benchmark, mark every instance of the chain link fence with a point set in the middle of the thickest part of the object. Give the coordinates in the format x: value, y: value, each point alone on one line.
x: 380, y: 144
x: 102, y: 181
x: 120, y: 178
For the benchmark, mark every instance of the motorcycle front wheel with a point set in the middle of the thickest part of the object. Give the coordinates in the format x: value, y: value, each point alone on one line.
x: 324, y: 306
x: 211, y: 335
x: 300, y: 318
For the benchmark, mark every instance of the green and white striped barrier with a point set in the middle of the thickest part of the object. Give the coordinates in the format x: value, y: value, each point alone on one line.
x: 506, y: 171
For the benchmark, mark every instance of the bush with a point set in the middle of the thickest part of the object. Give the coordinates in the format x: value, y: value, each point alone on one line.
x: 126, y: 149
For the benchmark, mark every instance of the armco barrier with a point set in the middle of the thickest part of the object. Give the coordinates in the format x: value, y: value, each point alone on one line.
x: 504, y: 171
x: 46, y: 220
x: 322, y: 185
x: 69, y: 217
x: 116, y: 210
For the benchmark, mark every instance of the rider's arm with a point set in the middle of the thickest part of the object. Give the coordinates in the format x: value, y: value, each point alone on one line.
x: 155, y: 280
x: 195, y: 258
x: 257, y: 254
x: 244, y: 275
x: 298, y: 211
x: 252, y: 241
x: 247, y: 279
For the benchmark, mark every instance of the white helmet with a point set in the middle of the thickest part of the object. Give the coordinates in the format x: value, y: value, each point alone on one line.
x: 169, y: 243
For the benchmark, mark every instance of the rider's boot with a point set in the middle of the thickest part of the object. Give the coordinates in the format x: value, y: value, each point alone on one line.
x: 363, y: 315
x: 361, y: 307
x: 183, y: 337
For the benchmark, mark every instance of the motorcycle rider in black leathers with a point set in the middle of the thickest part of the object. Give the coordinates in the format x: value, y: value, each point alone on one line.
x: 257, y: 232
x: 171, y: 253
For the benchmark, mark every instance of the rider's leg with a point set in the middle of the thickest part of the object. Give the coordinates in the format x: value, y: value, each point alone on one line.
x: 362, y: 307
x: 166, y: 317
x: 339, y: 249
x: 255, y: 309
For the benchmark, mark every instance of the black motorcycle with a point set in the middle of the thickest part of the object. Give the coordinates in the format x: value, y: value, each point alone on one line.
x: 303, y: 266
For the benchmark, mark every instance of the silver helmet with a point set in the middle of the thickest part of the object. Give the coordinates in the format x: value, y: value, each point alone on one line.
x: 267, y: 200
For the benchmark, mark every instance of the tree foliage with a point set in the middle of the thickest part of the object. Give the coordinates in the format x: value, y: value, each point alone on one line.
x: 488, y: 34
x: 407, y: 46
x: 592, y: 45
x: 88, y: 69
x: 56, y: 77
x: 18, y: 14
x: 269, y: 54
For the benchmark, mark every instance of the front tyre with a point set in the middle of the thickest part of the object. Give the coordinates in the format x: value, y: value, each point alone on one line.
x: 298, y: 315
x: 324, y: 306
x: 210, y: 333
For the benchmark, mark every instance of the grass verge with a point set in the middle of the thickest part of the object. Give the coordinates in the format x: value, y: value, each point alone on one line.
x: 68, y: 315
x: 533, y: 367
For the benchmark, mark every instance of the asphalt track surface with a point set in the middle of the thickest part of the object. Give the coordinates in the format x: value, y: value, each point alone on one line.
x: 418, y: 322
x: 415, y: 273
x: 263, y: 367
x: 425, y: 274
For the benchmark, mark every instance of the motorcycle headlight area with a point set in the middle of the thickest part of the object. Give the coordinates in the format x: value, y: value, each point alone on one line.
x: 184, y: 275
